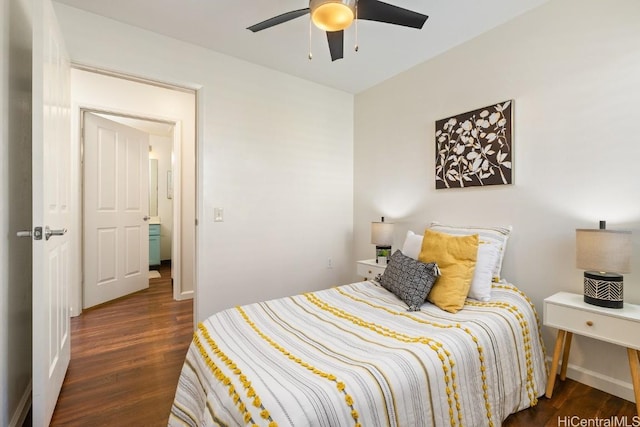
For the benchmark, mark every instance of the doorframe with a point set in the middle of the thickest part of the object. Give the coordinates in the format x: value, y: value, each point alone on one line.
x: 191, y: 244
x: 176, y: 173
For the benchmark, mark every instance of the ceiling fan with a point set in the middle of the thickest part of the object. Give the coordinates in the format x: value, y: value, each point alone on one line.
x: 334, y: 16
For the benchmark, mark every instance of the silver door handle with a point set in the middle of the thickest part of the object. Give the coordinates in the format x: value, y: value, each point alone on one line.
x: 146, y: 218
x: 24, y: 233
x: 49, y: 232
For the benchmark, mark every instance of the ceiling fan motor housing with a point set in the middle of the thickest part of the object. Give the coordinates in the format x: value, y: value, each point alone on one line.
x: 332, y: 15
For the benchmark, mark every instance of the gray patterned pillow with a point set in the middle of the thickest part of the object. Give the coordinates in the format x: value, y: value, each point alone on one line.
x: 409, y: 279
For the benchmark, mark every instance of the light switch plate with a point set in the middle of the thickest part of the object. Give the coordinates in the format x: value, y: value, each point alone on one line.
x: 218, y: 215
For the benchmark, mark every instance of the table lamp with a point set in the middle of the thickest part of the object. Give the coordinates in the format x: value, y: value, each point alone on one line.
x: 603, y: 254
x: 382, y: 237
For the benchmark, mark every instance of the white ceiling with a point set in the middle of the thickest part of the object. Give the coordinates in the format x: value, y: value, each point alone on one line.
x: 385, y: 50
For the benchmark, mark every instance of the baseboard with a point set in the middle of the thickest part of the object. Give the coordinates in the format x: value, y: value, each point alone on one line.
x: 185, y: 295
x: 621, y: 389
x: 17, y: 420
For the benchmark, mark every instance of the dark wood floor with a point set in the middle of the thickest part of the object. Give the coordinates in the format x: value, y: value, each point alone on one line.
x: 572, y: 399
x: 126, y: 357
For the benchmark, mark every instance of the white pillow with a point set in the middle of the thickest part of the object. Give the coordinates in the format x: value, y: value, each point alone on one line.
x: 488, y: 253
x: 412, y: 245
x: 497, y: 235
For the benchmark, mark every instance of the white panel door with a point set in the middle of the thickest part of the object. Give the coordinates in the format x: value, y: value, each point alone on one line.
x: 116, y: 209
x: 51, y: 157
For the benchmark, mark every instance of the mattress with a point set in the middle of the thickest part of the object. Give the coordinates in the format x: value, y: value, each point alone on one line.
x: 354, y: 356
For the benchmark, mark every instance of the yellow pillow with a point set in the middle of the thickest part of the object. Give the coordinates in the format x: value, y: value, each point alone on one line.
x: 456, y: 258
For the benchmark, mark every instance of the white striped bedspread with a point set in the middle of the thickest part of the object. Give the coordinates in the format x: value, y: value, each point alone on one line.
x: 353, y: 356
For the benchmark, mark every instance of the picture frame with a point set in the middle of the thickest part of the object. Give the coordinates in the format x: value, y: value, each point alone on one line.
x: 475, y: 148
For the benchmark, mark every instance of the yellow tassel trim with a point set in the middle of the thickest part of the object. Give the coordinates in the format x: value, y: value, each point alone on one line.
x: 526, y: 337
x: 444, y: 355
x: 512, y: 288
x: 225, y: 380
x: 339, y: 384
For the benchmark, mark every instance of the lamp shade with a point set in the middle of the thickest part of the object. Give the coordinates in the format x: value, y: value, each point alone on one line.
x: 332, y: 15
x: 382, y: 233
x: 603, y: 250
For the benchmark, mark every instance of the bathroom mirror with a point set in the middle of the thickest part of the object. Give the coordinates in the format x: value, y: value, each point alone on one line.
x: 153, y: 187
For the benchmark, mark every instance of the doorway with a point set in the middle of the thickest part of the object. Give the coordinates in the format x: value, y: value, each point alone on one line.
x: 128, y: 211
x: 131, y: 99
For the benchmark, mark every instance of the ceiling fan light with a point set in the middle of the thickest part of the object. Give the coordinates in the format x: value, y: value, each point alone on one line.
x: 332, y: 15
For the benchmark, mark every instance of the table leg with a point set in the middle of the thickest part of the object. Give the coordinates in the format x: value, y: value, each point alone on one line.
x: 554, y: 364
x: 634, y: 364
x: 565, y: 356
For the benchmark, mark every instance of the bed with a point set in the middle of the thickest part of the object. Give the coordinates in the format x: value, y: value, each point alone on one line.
x: 354, y: 356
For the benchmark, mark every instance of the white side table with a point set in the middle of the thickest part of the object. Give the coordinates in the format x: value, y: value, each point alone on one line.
x: 571, y: 315
x: 369, y: 269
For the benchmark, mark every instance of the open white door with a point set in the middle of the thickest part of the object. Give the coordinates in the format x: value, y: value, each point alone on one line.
x: 51, y: 157
x: 116, y: 210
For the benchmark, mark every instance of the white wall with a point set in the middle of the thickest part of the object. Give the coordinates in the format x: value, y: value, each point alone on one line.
x: 573, y: 69
x: 15, y: 210
x: 162, y: 146
x: 274, y: 151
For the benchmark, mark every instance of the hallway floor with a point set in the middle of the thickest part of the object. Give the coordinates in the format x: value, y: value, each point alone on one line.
x: 126, y: 357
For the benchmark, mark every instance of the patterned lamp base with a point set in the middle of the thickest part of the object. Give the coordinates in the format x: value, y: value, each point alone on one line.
x: 603, y: 289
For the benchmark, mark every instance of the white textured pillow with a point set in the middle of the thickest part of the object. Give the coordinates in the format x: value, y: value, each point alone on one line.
x: 488, y: 253
x: 497, y: 235
x: 412, y: 245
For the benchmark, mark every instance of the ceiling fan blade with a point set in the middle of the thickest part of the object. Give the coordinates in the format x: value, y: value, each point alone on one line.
x: 278, y: 20
x: 374, y: 10
x: 336, y: 44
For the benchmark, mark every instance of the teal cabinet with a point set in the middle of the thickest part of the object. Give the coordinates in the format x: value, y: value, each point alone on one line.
x: 154, y: 244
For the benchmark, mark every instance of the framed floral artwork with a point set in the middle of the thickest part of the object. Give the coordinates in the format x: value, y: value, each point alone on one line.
x: 475, y: 148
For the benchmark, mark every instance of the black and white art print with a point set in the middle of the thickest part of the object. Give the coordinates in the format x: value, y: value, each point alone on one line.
x: 475, y: 148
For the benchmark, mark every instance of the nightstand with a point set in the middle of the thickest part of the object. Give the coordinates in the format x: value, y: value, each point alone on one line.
x: 369, y: 269
x: 571, y: 315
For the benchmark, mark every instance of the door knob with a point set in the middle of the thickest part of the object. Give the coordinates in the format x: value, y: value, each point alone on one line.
x: 49, y: 232
x: 146, y: 218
